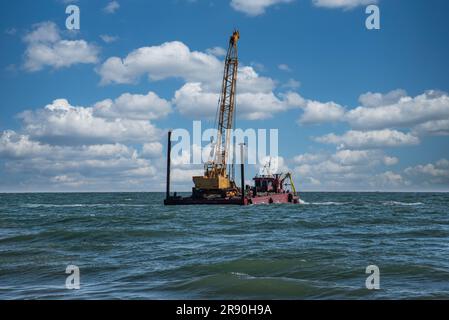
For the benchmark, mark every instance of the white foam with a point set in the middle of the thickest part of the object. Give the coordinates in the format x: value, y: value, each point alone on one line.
x: 329, y: 203
x: 104, y: 205
x: 398, y: 203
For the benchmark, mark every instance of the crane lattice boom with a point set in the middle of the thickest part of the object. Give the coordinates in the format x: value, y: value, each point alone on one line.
x: 215, y: 175
x: 227, y: 103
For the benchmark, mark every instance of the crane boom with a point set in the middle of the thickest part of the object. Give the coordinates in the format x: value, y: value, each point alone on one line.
x: 216, y: 179
x: 227, y: 103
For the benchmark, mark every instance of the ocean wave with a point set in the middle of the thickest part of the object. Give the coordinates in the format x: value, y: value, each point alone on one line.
x: 329, y: 203
x: 75, y: 205
x: 399, y: 203
x: 242, y: 275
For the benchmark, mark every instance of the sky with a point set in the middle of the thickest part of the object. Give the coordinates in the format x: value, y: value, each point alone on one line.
x: 356, y: 109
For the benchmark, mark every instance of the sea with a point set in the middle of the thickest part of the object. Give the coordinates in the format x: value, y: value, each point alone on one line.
x: 131, y: 246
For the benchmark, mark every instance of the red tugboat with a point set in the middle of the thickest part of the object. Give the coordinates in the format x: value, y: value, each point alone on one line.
x: 271, y: 188
x: 215, y: 186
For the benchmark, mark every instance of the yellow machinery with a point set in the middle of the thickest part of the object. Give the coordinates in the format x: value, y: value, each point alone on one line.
x: 215, y: 180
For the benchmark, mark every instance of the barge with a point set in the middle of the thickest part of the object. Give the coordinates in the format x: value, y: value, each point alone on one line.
x: 215, y: 186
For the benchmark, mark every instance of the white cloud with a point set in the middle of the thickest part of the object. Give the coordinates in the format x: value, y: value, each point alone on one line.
x: 250, y: 81
x: 89, y: 167
x: 133, y: 106
x: 309, y: 158
x: 292, y: 84
x: 273, y: 165
x: 193, y: 100
x: 108, y: 38
x: 169, y: 60
x: 318, y: 112
x: 216, y: 51
x: 329, y: 173
x: 18, y: 146
x: 62, y: 123
x: 11, y: 31
x: 349, y: 169
x: 185, y: 175
x: 436, y: 173
x: 398, y: 110
x: 111, y: 7
x: 370, y: 99
x: 202, y: 73
x: 13, y: 145
x: 390, y: 161
x: 363, y: 157
x: 427, y: 113
x: 284, y: 67
x: 152, y: 150
x: 175, y: 60
x: 46, y: 48
x: 389, y: 180
x: 436, y: 127
x: 345, y: 4
x: 370, y: 139
x: 255, y: 7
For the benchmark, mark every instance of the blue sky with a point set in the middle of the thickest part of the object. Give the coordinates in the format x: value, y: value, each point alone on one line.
x: 356, y: 109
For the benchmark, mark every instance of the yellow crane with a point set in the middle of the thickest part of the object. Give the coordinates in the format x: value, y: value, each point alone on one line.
x: 216, y: 180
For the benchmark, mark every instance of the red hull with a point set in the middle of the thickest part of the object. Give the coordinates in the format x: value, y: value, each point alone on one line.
x: 267, y: 199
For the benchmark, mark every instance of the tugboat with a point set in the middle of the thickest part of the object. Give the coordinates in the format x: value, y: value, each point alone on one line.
x: 215, y: 186
x: 272, y: 188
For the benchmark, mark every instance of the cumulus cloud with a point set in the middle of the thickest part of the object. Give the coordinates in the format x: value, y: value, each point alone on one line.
x: 171, y: 59
x: 111, y: 7
x: 435, y: 127
x: 216, y: 51
x: 272, y: 165
x: 46, y: 48
x: 345, y: 168
x: 133, y: 106
x: 255, y: 7
x: 175, y: 60
x: 62, y: 123
x: 108, y: 38
x: 152, y: 149
x: 370, y: 139
x: 292, y: 84
x: 360, y: 157
x: 432, y: 173
x: 15, y: 146
x: 345, y: 4
x: 284, y: 67
x: 202, y: 73
x: 352, y: 169
x: 331, y: 172
x: 185, y: 175
x: 389, y: 180
x: 88, y: 167
x: 193, y: 100
x: 396, y: 109
x: 318, y: 112
x: 427, y: 113
x: 376, y: 99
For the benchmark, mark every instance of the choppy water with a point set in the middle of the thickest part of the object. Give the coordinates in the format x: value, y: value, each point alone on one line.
x: 129, y: 246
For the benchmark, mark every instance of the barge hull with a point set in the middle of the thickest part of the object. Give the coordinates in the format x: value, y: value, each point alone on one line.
x: 266, y: 199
